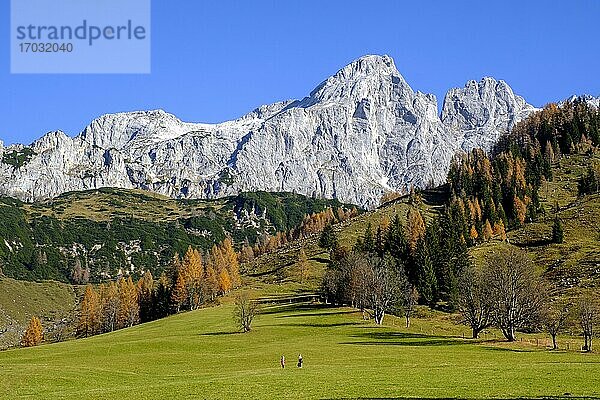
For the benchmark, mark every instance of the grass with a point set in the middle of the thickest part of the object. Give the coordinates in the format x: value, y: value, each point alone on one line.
x: 20, y: 300
x: 200, y: 355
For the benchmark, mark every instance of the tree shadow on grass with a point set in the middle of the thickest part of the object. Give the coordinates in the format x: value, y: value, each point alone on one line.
x: 403, y: 339
x: 509, y: 349
x: 333, y: 325
x: 566, y: 396
x: 219, y: 333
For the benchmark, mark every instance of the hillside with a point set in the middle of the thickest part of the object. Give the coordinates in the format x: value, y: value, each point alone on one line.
x: 570, y: 265
x: 99, y: 234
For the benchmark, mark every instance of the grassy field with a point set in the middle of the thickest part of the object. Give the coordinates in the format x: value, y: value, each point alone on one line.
x: 199, y: 355
x: 53, y: 302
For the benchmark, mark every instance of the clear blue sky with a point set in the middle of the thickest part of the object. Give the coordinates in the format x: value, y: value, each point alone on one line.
x: 216, y: 60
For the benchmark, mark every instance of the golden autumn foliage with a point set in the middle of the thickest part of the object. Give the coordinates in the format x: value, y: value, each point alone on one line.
x: 34, y: 334
x: 520, y: 209
x: 129, y: 309
x: 90, y: 313
x: 303, y: 267
x: 487, y: 230
x: 415, y: 228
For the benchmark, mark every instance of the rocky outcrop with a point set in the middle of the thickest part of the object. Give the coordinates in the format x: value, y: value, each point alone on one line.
x: 482, y: 111
x: 360, y: 133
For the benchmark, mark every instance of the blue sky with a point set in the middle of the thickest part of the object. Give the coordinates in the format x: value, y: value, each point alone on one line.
x: 216, y: 60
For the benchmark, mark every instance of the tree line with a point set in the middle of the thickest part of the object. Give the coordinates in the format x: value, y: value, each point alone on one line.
x: 187, y: 283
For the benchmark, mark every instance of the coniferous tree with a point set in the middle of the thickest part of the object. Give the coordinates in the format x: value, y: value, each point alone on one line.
x: 162, y: 297
x: 328, y: 239
x: 303, y: 267
x: 557, y: 231
x: 426, y: 278
x: 109, y: 300
x: 232, y: 261
x: 34, y: 334
x: 89, y: 314
x: 146, y: 297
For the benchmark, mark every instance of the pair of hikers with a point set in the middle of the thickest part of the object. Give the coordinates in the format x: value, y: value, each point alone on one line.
x: 282, y: 361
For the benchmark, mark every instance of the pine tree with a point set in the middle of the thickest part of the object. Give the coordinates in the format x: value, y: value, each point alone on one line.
x: 162, y: 297
x: 89, y: 319
x: 178, y: 292
x: 328, y: 239
x: 145, y: 289
x: 426, y: 279
x: 34, y: 334
x: 557, y: 231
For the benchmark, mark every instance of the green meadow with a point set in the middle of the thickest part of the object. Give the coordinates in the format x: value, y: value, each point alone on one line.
x: 200, y: 355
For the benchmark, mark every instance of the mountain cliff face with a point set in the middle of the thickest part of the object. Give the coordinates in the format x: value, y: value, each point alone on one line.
x: 482, y: 111
x: 358, y: 134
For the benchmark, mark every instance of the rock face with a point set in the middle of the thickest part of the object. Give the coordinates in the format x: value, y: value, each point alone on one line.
x: 482, y: 111
x: 360, y: 133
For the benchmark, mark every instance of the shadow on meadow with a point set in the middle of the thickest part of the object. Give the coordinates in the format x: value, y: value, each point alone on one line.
x: 566, y: 396
x: 403, y: 339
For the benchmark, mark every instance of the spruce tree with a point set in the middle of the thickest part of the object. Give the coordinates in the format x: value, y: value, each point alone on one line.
x: 557, y: 231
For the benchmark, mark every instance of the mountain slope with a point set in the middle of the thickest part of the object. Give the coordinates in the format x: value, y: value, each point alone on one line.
x: 99, y: 234
x: 359, y: 134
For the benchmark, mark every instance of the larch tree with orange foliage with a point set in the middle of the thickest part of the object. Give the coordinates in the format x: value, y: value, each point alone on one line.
x: 192, y: 271
x: 34, y: 334
x: 487, y: 230
x: 415, y: 229
x: 129, y: 309
x: 89, y: 314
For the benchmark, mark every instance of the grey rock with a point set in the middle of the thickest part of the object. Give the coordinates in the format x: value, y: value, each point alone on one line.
x: 360, y: 133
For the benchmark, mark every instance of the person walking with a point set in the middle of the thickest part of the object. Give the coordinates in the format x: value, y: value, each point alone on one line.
x: 282, y: 361
x: 299, y: 360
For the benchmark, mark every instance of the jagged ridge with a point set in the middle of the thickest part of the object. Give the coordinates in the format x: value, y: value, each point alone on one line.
x: 360, y: 133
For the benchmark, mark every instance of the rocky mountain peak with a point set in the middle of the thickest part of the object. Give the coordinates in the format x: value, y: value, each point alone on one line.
x: 481, y: 111
x: 360, y: 79
x: 359, y: 134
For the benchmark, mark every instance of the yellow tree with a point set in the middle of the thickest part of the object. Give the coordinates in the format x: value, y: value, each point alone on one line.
x: 415, y: 228
x: 224, y: 281
x: 499, y: 230
x: 34, y: 334
x: 473, y: 234
x: 129, y: 310
x: 520, y: 209
x: 109, y: 300
x: 192, y: 271
x: 487, y: 230
x: 246, y: 254
x: 232, y: 263
x: 89, y: 318
x: 302, y: 265
x: 211, y: 282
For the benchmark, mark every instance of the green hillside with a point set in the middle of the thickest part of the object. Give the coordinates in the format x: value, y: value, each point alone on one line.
x: 96, y: 234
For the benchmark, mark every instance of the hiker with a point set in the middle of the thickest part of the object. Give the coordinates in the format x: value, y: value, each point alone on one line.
x: 282, y: 361
x: 299, y: 360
